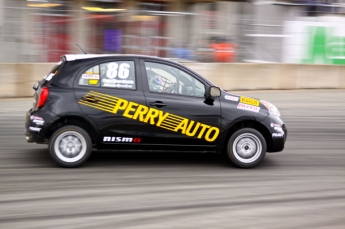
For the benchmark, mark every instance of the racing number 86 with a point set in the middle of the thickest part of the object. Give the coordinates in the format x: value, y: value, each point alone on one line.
x: 113, y: 70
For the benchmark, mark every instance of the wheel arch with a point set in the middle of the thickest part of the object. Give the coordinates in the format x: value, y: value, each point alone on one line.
x: 75, y: 120
x: 248, y: 123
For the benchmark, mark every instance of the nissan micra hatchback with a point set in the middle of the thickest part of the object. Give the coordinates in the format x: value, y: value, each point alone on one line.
x: 131, y: 102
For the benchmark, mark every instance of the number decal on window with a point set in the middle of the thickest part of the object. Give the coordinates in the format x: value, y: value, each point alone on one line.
x: 124, y: 71
x: 114, y: 70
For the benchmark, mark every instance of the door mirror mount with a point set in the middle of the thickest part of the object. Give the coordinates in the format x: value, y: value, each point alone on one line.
x: 213, y: 92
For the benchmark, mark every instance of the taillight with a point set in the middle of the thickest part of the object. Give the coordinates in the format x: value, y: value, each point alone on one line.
x: 43, y: 97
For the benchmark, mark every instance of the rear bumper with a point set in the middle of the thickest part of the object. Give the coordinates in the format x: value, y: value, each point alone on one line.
x: 35, y: 127
x: 32, y: 136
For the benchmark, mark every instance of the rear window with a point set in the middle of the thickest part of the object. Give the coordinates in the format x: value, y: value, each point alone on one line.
x: 115, y: 74
x: 55, y: 70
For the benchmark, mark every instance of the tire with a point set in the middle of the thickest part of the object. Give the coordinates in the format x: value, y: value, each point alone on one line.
x: 70, y: 146
x: 246, y: 148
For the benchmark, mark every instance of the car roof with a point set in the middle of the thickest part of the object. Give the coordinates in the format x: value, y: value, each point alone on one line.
x: 72, y: 57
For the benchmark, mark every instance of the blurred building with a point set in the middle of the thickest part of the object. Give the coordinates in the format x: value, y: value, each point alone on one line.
x: 42, y: 30
x: 200, y: 30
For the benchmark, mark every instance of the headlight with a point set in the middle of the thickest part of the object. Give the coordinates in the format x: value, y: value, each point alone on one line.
x: 271, y: 108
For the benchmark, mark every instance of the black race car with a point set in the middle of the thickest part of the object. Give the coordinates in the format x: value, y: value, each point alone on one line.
x: 132, y: 102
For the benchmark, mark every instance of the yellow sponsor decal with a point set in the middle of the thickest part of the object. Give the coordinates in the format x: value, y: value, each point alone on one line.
x: 93, y: 82
x: 152, y: 116
x: 249, y: 101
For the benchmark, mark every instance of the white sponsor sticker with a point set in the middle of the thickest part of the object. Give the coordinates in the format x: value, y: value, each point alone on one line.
x: 279, y: 129
x: 32, y: 117
x: 49, y: 77
x: 275, y: 125
x: 247, y: 107
x: 35, y: 129
x: 278, y: 135
x: 232, y: 98
x: 118, y: 81
x: 90, y: 76
x: 38, y: 122
x: 117, y: 85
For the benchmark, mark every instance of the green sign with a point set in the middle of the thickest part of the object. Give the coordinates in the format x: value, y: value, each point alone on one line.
x: 323, y: 47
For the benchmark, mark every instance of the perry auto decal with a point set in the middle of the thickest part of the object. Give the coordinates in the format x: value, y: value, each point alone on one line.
x: 152, y: 116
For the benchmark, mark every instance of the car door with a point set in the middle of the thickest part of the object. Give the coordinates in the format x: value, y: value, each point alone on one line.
x: 181, y: 114
x: 104, y: 90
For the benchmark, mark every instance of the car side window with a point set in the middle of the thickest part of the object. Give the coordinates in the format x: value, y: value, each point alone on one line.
x: 90, y: 77
x: 115, y: 74
x: 167, y: 79
x: 119, y: 74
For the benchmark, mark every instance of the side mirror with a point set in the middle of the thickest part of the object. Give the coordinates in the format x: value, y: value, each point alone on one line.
x: 213, y: 92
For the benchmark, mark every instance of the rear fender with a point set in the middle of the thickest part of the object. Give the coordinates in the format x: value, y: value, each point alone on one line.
x: 79, y: 121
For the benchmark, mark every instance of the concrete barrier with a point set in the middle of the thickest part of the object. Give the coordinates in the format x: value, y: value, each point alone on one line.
x: 272, y: 76
x: 17, y: 79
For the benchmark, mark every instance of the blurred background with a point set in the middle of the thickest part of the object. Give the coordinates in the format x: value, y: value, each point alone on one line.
x: 285, y: 46
x: 252, y: 31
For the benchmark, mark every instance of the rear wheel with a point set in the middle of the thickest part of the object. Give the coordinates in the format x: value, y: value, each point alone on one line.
x: 70, y: 146
x: 246, y: 148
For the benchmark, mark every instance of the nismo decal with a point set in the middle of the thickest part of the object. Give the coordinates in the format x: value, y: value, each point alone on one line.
x: 142, y: 113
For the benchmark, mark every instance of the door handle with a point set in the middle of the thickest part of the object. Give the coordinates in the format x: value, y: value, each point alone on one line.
x: 88, y: 98
x: 158, y: 104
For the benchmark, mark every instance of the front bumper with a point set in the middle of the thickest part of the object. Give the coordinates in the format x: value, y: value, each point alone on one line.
x: 278, y: 140
x: 278, y: 132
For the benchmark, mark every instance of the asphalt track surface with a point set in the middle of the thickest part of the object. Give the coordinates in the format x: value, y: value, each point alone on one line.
x: 301, y: 187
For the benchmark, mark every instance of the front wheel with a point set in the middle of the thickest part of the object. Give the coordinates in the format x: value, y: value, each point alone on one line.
x: 246, y: 148
x: 70, y: 146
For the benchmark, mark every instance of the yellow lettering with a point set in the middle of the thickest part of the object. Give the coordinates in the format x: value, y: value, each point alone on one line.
x: 151, y: 114
x: 140, y: 112
x: 167, y: 120
x: 188, y: 133
x: 129, y: 109
x: 120, y: 105
x: 203, y: 129
x: 161, y: 117
x: 183, y: 125
x: 215, y: 135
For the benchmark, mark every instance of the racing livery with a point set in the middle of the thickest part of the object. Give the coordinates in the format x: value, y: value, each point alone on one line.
x: 133, y: 102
